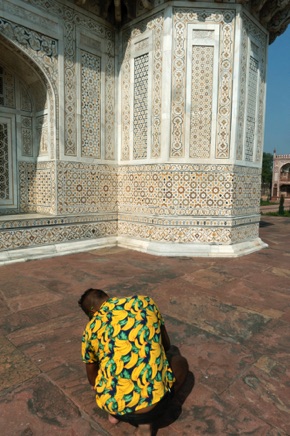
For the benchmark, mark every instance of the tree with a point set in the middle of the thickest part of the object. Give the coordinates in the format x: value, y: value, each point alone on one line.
x: 267, y: 168
x: 281, y: 206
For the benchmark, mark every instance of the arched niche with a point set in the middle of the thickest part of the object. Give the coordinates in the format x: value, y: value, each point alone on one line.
x: 26, y: 134
x: 285, y: 180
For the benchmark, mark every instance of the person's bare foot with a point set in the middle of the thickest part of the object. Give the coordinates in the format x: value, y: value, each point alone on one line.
x: 112, y: 419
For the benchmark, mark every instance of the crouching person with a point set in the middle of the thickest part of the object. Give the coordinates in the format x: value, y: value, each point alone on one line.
x: 124, y: 348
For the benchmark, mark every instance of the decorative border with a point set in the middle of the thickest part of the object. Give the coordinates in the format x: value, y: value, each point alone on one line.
x: 189, y: 234
x: 155, y: 24
x: 39, y: 236
x: 183, y: 17
x: 189, y: 190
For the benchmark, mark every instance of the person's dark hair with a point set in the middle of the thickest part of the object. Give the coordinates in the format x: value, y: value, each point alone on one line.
x: 89, y: 298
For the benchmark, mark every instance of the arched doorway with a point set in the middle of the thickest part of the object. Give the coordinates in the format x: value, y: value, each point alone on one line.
x: 24, y: 131
x: 285, y: 180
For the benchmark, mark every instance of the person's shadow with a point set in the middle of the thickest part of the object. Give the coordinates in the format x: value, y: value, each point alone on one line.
x: 174, y: 408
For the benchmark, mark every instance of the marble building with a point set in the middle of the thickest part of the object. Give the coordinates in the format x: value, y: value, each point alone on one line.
x: 133, y: 123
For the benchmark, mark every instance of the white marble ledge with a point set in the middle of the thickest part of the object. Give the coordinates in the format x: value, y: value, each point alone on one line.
x: 24, y: 216
x: 192, y: 249
x: 53, y: 250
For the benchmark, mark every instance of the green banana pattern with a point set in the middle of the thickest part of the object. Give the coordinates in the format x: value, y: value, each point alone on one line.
x: 124, y: 338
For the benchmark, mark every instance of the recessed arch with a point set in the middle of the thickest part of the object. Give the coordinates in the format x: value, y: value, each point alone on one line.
x: 28, y: 126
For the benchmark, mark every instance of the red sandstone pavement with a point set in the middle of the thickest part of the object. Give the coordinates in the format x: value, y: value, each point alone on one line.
x: 229, y: 317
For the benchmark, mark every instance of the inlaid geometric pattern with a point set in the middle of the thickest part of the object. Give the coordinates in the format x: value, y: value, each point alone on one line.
x: 183, y: 17
x: 155, y: 26
x: 42, y: 134
x: 43, y: 47
x: 251, y: 108
x: 189, y: 190
x: 189, y: 234
x: 7, y: 88
x: 26, y: 136
x: 201, y: 101
x: 85, y: 188
x: 4, y: 162
x: 260, y: 48
x: 25, y: 100
x: 224, y: 110
x: 175, y: 201
x: 72, y: 20
x: 243, y: 94
x: 110, y: 107
x: 140, y: 123
x: 37, y: 187
x: 40, y: 53
x: 91, y: 105
x: 126, y: 95
x: 56, y: 233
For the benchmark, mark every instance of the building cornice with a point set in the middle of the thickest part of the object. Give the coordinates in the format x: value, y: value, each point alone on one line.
x: 274, y: 15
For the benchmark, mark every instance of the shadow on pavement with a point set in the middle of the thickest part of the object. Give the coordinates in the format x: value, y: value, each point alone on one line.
x: 174, y: 408
x: 264, y: 224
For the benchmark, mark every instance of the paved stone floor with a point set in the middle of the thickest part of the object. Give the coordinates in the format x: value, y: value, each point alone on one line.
x: 229, y: 317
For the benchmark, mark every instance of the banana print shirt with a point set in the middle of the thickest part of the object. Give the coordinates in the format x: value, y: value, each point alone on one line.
x: 124, y: 338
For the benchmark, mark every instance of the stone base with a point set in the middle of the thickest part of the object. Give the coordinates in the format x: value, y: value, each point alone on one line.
x: 52, y: 250
x: 192, y: 250
x: 154, y: 248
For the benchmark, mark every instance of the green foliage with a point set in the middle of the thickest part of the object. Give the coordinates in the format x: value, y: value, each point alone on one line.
x: 267, y: 202
x: 267, y: 168
x: 286, y: 214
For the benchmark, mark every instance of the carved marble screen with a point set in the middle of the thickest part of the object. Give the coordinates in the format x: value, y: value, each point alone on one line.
x: 7, y: 164
x: 202, y: 75
x: 140, y: 124
x: 202, y: 63
x: 7, y: 132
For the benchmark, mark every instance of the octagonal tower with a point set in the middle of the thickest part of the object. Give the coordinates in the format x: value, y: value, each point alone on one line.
x: 191, y: 121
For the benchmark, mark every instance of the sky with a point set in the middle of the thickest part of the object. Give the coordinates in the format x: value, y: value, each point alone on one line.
x: 277, y: 123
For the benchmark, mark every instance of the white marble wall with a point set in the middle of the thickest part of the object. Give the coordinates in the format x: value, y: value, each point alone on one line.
x: 156, y: 130
x: 203, y: 110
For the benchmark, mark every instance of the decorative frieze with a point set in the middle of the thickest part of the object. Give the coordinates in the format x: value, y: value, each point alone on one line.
x: 4, y: 165
x: 188, y: 235
x: 86, y: 188
x: 37, y: 187
x: 142, y: 43
x: 91, y: 105
x: 183, y: 18
x: 55, y: 234
x: 43, y: 48
x: 188, y: 190
x: 26, y: 136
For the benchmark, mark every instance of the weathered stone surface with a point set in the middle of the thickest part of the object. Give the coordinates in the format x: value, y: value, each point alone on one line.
x: 232, y: 327
x: 15, y: 367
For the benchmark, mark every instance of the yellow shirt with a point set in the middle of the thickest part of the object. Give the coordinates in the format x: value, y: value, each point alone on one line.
x: 124, y: 338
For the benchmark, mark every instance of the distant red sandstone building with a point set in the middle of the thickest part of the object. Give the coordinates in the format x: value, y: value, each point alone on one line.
x: 281, y: 176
